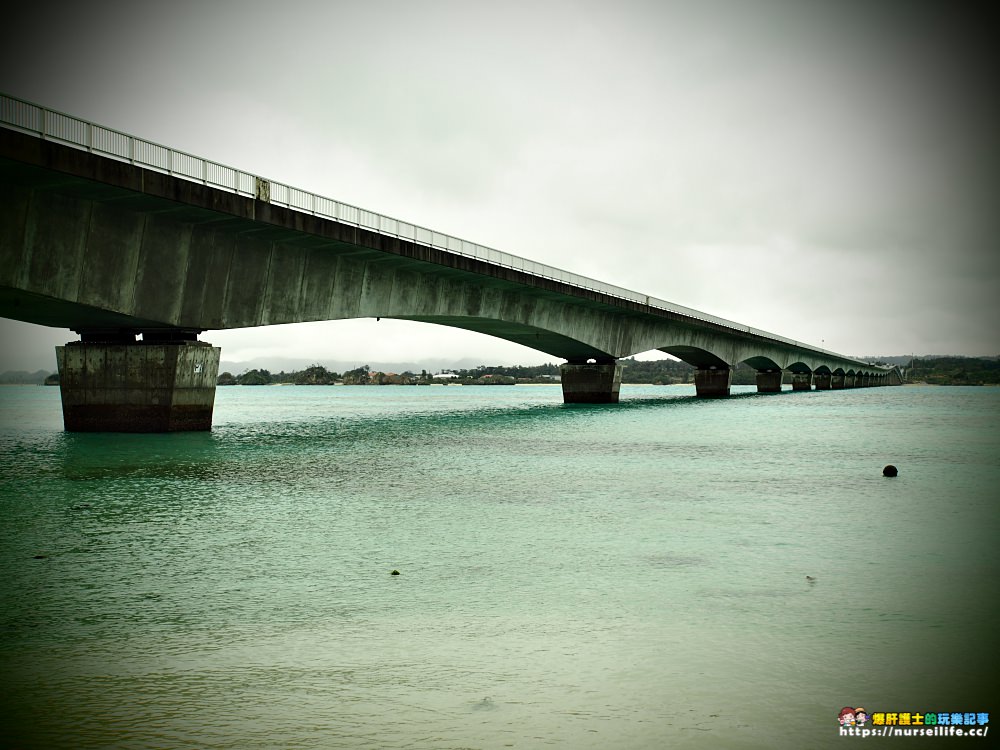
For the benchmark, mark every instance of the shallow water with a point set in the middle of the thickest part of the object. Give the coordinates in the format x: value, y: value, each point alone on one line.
x: 628, y: 576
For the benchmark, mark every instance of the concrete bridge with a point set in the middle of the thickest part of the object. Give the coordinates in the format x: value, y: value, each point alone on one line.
x: 140, y: 248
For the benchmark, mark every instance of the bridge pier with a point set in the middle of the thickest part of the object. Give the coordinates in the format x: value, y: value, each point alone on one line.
x: 837, y: 381
x: 593, y: 383
x: 769, y: 381
x: 822, y: 380
x: 713, y: 382
x: 160, y: 384
x: 802, y: 381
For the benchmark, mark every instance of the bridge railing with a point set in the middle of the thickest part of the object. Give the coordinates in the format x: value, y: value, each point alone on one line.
x: 72, y: 131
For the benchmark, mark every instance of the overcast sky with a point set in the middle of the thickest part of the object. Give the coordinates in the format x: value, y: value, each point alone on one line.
x: 822, y: 170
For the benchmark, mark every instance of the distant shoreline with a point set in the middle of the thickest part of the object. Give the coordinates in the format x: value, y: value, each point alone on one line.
x: 936, y: 370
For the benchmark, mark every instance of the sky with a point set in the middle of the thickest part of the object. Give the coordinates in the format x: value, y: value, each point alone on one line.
x: 822, y: 170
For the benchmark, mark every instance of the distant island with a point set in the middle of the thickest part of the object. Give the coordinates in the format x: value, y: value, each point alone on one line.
x: 936, y: 370
x: 23, y: 377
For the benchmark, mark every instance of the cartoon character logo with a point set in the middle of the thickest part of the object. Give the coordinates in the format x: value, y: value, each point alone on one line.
x: 846, y: 716
x: 860, y: 716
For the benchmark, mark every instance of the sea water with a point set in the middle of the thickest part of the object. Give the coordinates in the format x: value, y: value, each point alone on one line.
x: 578, y: 576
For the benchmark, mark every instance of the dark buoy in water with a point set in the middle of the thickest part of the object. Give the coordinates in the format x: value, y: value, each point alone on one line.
x: 394, y: 573
x: 889, y: 471
x: 810, y: 579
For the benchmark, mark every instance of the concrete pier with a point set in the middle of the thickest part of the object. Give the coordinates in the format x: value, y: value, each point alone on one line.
x: 713, y: 382
x: 137, y: 387
x: 837, y: 381
x: 769, y: 381
x: 591, y: 383
x: 801, y: 381
x: 822, y: 380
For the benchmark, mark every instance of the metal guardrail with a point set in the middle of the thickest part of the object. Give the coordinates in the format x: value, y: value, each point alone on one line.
x: 48, y: 124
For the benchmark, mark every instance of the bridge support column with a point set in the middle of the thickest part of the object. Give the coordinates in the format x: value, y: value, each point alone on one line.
x: 713, y: 383
x: 837, y: 382
x: 802, y: 381
x: 591, y: 383
x: 850, y: 381
x: 146, y: 386
x: 822, y: 380
x: 769, y: 381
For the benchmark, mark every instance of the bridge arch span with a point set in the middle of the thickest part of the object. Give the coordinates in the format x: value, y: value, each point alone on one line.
x: 111, y: 245
x: 703, y: 359
x: 762, y: 363
x: 541, y: 339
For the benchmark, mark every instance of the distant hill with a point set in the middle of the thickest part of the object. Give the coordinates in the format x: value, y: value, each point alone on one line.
x: 954, y: 371
x: 23, y: 377
x: 903, y: 360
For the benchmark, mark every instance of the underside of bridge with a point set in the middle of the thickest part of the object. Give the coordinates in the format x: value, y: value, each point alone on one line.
x: 111, y: 251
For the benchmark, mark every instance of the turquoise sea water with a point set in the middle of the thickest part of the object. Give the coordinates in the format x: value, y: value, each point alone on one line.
x: 629, y: 576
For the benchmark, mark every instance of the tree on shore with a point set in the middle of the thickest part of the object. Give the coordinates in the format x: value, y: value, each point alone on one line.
x: 254, y: 377
x: 315, y: 375
x: 358, y: 376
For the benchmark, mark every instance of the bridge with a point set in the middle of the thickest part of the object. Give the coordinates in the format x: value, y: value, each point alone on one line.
x: 140, y: 249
